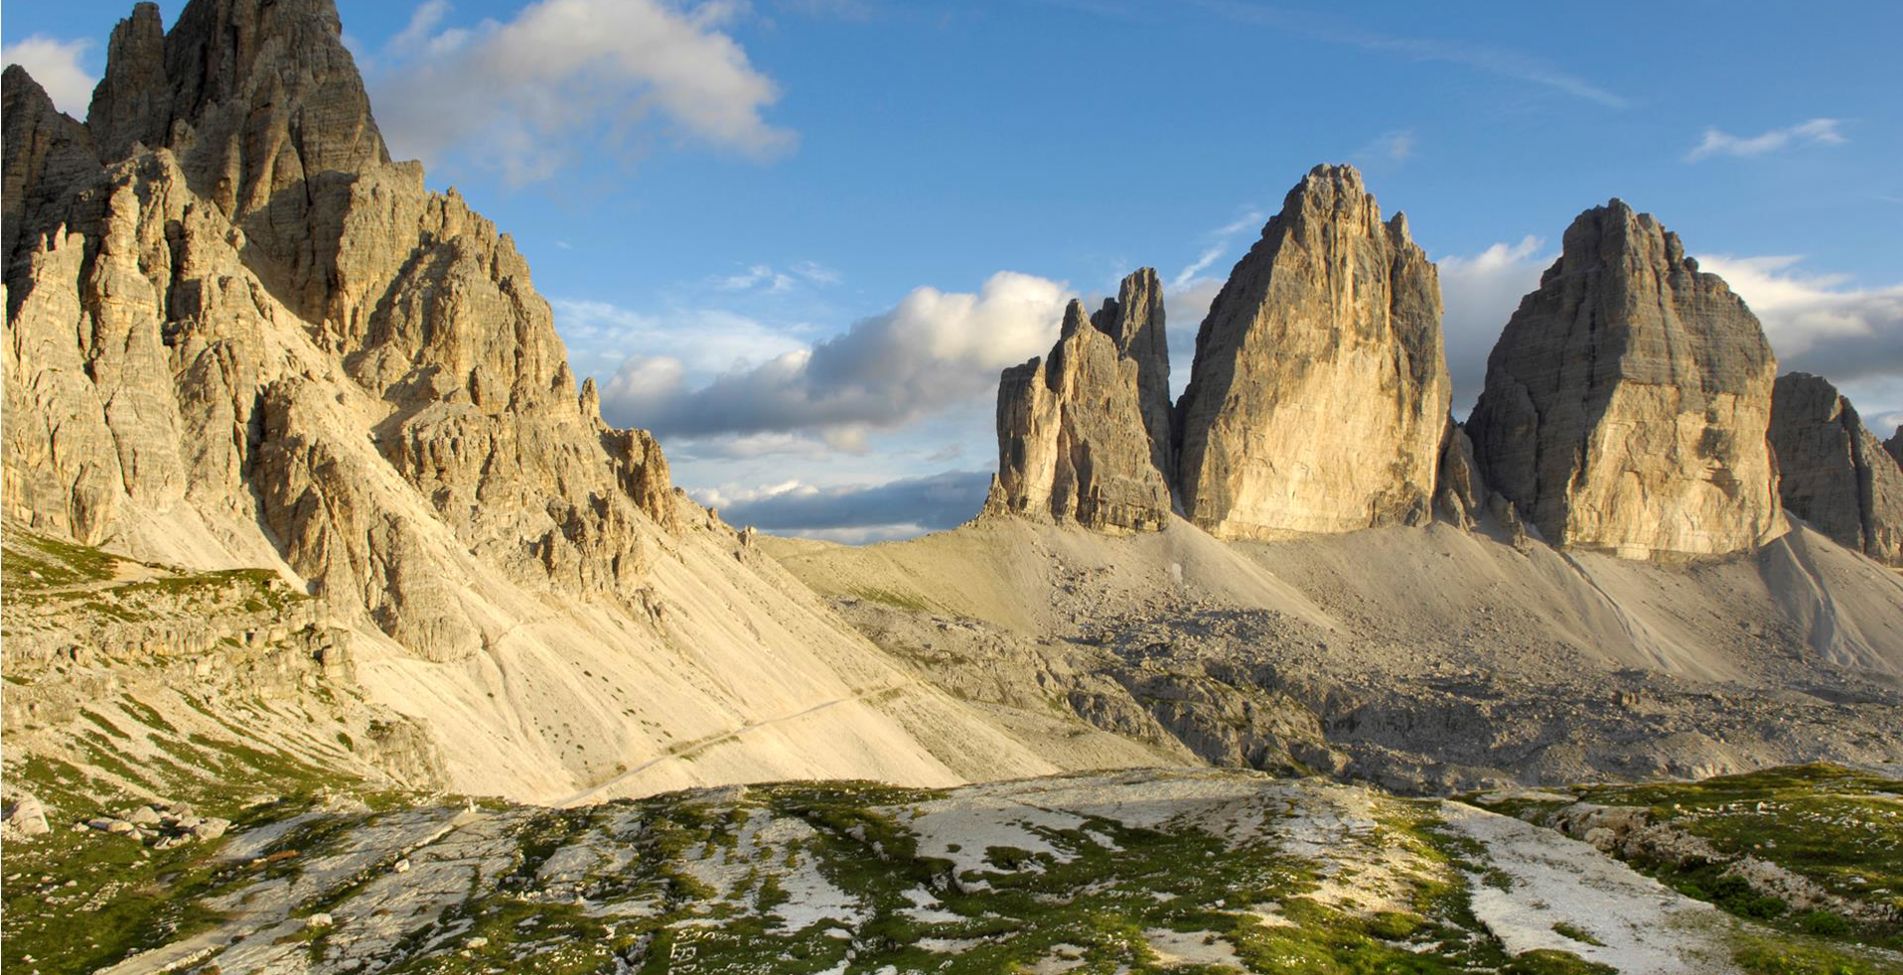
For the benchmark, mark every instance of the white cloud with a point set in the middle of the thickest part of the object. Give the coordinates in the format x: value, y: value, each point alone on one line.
x: 1817, y: 131
x: 854, y: 512
x: 764, y: 277
x: 1819, y: 323
x: 935, y: 349
x: 1479, y: 57
x: 527, y: 93
x: 1220, y: 241
x: 55, y: 65
x: 1479, y: 293
x: 701, y: 342
x: 1396, y: 146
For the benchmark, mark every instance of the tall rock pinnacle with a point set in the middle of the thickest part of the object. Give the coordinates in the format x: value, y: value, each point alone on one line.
x: 1627, y: 403
x: 1318, y: 399
x: 1083, y: 434
x: 1833, y: 472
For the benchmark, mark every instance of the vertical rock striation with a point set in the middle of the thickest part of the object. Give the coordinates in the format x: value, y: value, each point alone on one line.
x: 1319, y: 394
x: 1833, y: 472
x: 1627, y: 403
x: 1083, y: 434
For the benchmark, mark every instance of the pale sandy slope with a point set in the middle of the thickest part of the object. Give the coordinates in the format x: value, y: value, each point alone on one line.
x: 1402, y: 584
x: 745, y: 677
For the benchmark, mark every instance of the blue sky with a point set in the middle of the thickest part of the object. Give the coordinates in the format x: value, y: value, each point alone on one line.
x: 799, y: 238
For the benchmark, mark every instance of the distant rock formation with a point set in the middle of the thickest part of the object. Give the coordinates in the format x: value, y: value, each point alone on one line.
x: 1083, y: 434
x: 1627, y: 403
x: 1319, y: 393
x: 1459, y: 496
x: 228, y: 309
x: 1835, y: 474
x: 1895, y: 444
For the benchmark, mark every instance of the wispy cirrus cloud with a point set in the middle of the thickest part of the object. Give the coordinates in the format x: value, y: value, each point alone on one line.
x: 1504, y: 63
x: 1396, y: 146
x: 1817, y: 131
x: 1220, y: 242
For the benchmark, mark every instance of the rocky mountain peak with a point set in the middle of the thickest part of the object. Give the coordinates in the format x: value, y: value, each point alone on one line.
x: 1333, y: 318
x: 242, y: 335
x: 1627, y: 402
x: 1834, y: 473
x: 1084, y: 433
x: 262, y: 94
x: 46, y: 151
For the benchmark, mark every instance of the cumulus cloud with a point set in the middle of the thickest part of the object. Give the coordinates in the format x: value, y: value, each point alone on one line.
x: 1480, y: 292
x: 1819, y: 323
x: 55, y: 65
x: 525, y: 92
x: 934, y: 350
x: 677, y: 342
x: 893, y: 509
x: 1817, y: 131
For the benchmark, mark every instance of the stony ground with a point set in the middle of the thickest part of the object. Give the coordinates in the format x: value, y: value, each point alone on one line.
x: 1137, y: 871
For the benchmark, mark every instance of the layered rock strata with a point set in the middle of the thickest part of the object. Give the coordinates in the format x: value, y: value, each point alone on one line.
x: 1083, y: 433
x: 1627, y: 403
x: 1319, y: 393
x: 1834, y: 473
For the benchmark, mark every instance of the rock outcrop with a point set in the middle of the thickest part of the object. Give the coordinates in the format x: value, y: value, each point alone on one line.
x: 1459, y: 494
x: 1895, y: 444
x: 239, y: 245
x: 1083, y: 434
x: 1319, y: 393
x: 46, y: 152
x: 238, y: 335
x: 1627, y: 403
x: 1833, y: 472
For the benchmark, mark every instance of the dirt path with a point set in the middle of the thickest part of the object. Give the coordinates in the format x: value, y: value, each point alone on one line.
x: 689, y: 748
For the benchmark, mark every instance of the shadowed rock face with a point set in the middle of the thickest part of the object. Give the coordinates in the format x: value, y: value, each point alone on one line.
x: 1895, y: 445
x: 1833, y: 472
x: 1627, y: 403
x: 231, y: 312
x: 1083, y: 434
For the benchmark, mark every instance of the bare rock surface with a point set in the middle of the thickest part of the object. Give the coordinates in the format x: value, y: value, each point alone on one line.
x: 1279, y: 874
x: 1627, y: 403
x: 1319, y: 392
x: 1083, y: 434
x: 1833, y: 472
x: 239, y: 335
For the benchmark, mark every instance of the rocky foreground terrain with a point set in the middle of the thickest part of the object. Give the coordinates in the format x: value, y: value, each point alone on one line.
x: 343, y: 634
x: 1145, y: 871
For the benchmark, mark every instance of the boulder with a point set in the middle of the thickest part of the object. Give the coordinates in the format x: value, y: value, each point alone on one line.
x: 1627, y: 403
x: 26, y: 816
x: 1319, y: 393
x: 1833, y: 472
